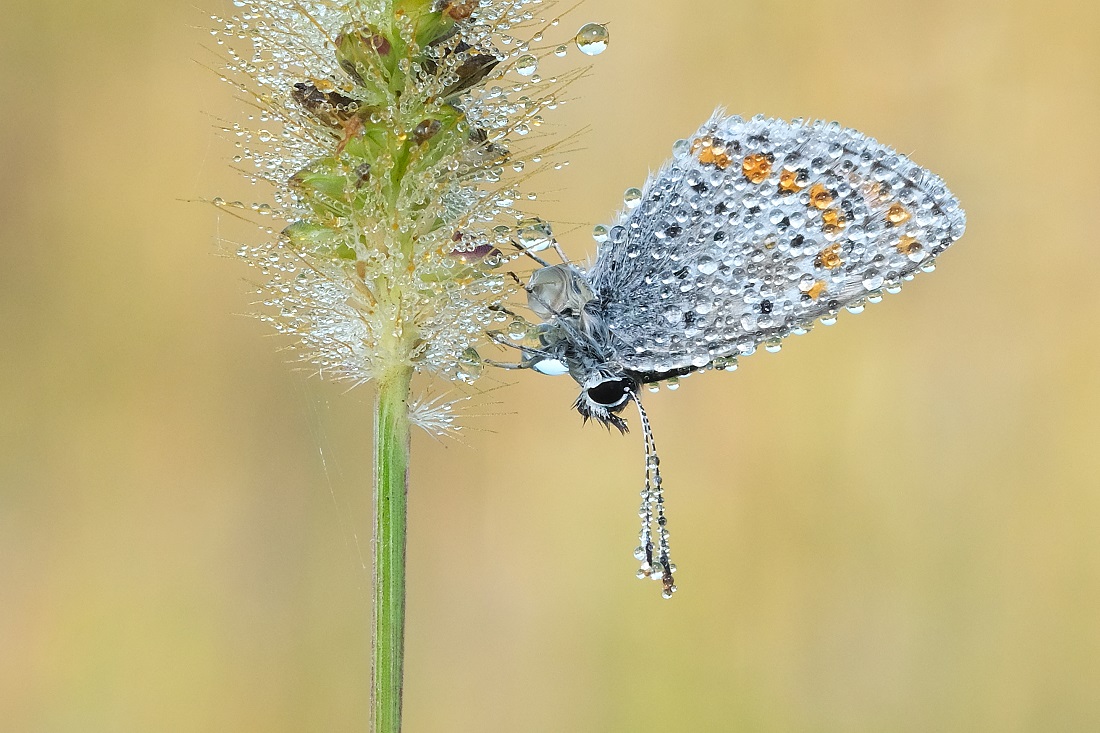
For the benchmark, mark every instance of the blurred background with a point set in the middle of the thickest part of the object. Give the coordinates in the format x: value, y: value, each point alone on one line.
x: 892, y: 525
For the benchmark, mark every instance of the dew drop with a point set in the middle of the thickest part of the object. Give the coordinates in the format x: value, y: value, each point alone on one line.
x: 526, y: 65
x: 872, y: 279
x: 517, y: 330
x: 632, y: 197
x: 560, y: 51
x: 592, y: 39
x: 535, y: 234
x: 599, y: 233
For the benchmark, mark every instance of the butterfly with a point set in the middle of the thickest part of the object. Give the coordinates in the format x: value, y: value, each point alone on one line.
x: 753, y: 231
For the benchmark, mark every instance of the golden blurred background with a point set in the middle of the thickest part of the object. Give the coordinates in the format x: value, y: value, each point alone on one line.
x: 892, y: 525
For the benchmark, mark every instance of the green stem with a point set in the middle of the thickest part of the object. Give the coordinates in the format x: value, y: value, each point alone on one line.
x: 391, y: 474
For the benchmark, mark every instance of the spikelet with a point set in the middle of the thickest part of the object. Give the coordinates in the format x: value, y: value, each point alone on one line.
x: 396, y: 135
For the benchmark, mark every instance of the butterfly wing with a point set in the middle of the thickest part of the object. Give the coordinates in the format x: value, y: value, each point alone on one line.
x: 754, y: 230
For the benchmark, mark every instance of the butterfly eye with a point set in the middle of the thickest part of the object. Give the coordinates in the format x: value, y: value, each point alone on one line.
x: 611, y: 393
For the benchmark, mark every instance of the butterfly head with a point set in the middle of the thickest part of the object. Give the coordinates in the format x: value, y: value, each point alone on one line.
x: 604, y: 394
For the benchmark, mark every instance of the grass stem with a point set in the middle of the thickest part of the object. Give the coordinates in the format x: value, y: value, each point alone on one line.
x: 391, y: 474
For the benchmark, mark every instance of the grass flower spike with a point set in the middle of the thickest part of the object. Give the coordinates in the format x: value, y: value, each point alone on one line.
x: 394, y: 134
x: 397, y: 136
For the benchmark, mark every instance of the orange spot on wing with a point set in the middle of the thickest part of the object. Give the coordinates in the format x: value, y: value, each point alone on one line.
x: 756, y: 167
x: 832, y: 221
x: 908, y: 245
x: 716, y: 157
x: 788, y: 181
x: 820, y: 198
x: 712, y: 152
x: 897, y: 214
x: 829, y: 258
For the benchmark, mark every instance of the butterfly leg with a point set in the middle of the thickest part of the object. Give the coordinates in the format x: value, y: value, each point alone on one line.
x: 506, y: 311
x: 557, y: 248
x: 517, y: 281
x: 532, y: 358
x: 530, y: 254
x: 501, y: 339
x: 506, y: 364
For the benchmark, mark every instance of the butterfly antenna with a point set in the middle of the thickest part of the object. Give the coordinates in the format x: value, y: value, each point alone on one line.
x: 657, y: 567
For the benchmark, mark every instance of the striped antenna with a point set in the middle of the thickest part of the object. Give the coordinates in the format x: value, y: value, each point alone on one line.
x: 653, y: 504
